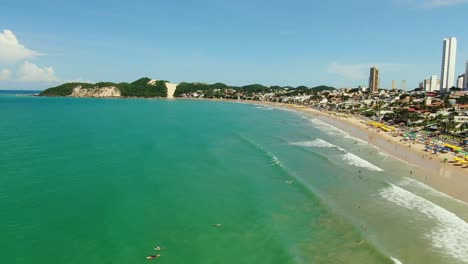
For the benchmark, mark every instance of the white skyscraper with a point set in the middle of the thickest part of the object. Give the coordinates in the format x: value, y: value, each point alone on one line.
x: 434, y: 83
x: 449, y: 56
x: 461, y: 81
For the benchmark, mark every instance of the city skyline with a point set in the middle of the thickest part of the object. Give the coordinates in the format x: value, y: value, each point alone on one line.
x: 236, y: 43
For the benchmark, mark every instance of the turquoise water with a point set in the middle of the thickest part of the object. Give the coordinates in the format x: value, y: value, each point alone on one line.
x: 106, y: 180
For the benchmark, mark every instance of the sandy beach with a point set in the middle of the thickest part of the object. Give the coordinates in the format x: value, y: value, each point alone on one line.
x: 428, y: 168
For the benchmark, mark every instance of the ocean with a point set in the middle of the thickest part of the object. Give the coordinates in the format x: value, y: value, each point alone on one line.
x: 107, y: 180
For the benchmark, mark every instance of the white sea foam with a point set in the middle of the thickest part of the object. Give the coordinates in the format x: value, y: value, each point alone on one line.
x: 450, y: 234
x: 421, y: 186
x: 396, y: 261
x: 354, y: 160
x: 317, y: 143
x: 264, y: 108
x: 350, y: 158
x: 325, y: 127
x: 274, y: 161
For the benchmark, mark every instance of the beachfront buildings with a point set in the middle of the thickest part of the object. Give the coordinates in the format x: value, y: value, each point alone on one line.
x: 374, y: 80
x: 449, y: 56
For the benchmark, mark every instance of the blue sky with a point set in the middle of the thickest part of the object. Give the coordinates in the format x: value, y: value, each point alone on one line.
x: 295, y: 42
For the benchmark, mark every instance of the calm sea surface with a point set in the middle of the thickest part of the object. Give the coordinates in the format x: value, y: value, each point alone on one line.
x: 106, y: 180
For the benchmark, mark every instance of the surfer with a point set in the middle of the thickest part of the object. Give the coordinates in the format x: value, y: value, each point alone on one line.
x: 153, y: 256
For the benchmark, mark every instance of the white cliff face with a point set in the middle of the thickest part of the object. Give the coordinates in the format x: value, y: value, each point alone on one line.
x: 110, y: 91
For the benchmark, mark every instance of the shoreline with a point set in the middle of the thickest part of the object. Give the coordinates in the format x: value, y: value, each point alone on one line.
x: 429, y: 168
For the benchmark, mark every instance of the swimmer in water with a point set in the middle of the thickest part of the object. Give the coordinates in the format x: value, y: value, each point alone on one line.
x: 153, y: 257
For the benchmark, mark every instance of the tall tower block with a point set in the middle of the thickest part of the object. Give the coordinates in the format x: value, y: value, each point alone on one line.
x: 449, y: 56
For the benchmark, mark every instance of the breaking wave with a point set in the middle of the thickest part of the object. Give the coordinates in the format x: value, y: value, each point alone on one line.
x: 354, y: 160
x: 317, y: 143
x: 395, y: 261
x: 450, y: 232
x: 264, y: 108
x: 348, y: 157
x: 421, y: 186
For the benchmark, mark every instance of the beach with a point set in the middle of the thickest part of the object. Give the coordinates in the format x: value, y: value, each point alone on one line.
x: 429, y: 168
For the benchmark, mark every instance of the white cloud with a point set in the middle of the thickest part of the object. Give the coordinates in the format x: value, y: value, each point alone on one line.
x: 441, y: 3
x: 355, y: 72
x: 11, y: 50
x: 30, y: 72
x: 5, y: 75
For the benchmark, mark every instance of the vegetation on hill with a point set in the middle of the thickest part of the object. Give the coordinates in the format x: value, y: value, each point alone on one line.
x: 138, y: 88
x: 64, y: 89
x: 143, y: 87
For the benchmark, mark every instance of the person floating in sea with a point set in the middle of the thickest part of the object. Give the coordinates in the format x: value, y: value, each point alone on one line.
x: 153, y: 257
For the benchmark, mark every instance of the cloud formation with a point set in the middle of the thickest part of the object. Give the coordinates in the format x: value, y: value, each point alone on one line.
x: 442, y: 3
x: 5, y: 75
x: 30, y: 72
x: 11, y: 50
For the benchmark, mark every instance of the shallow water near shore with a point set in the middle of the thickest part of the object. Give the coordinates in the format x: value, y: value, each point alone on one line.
x: 106, y: 180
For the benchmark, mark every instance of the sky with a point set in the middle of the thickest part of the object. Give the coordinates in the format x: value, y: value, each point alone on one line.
x: 238, y: 42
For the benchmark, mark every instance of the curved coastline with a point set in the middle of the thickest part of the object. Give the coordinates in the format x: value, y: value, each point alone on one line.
x: 430, y: 169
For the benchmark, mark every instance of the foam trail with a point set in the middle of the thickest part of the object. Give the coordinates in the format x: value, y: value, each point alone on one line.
x: 354, y: 160
x: 264, y: 108
x: 275, y: 161
x: 330, y: 129
x: 396, y: 261
x: 417, y: 184
x: 318, y: 143
x: 350, y: 158
x: 450, y: 232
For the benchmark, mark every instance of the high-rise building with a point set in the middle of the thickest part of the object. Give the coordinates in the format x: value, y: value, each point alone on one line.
x: 435, y: 83
x: 394, y: 85
x: 466, y: 76
x: 461, y: 81
x: 432, y: 84
x: 449, y: 56
x: 374, y: 80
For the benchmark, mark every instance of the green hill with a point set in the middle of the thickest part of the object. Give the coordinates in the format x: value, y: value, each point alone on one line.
x: 138, y: 88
